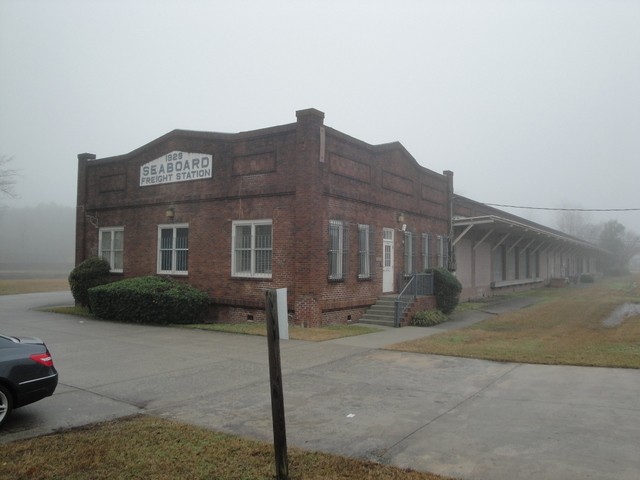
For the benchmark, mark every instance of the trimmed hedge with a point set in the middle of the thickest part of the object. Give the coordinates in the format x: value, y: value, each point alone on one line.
x: 428, y: 318
x: 447, y: 289
x: 149, y: 299
x: 92, y: 272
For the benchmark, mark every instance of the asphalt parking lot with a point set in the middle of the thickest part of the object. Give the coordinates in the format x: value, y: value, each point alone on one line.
x: 465, y: 418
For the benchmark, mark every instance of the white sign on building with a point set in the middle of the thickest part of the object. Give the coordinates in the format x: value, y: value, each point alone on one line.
x: 176, y: 167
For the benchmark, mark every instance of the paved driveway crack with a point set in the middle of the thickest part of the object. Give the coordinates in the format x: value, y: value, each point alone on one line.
x: 380, y: 454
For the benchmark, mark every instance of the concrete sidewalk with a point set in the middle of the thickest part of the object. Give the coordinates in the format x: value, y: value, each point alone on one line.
x: 465, y: 418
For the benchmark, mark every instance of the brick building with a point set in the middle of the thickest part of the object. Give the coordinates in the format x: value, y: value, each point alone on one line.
x: 335, y: 220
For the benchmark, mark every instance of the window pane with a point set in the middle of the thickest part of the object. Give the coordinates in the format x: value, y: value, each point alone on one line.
x: 182, y: 257
x: 408, y: 253
x: 344, y: 247
x: 336, y: 249
x: 333, y: 264
x: 182, y: 249
x: 165, y: 260
x: 426, y: 262
x: 118, y: 240
x: 363, y: 255
x: 372, y: 251
x: 334, y: 236
x: 263, y: 236
x: 263, y: 249
x: 263, y: 261
x: 105, y: 240
x: 166, y: 238
x: 243, y: 236
x: 182, y: 238
x: 243, y: 261
x: 117, y: 261
x: 105, y: 245
x: 443, y: 251
x: 243, y: 249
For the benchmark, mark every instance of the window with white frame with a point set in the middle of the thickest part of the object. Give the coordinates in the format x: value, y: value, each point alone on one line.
x: 409, y: 253
x: 338, y: 249
x: 252, y: 248
x: 426, y: 251
x: 173, y: 249
x: 366, y: 242
x: 111, y: 247
x: 443, y: 251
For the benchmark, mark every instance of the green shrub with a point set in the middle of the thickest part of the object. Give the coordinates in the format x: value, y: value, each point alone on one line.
x: 92, y: 272
x: 447, y: 289
x: 149, y: 300
x: 428, y: 318
x: 586, y: 278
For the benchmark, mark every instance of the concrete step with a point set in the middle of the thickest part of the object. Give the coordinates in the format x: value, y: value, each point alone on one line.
x: 381, y: 313
x: 379, y: 322
x: 373, y: 316
x: 381, y: 310
x: 386, y: 301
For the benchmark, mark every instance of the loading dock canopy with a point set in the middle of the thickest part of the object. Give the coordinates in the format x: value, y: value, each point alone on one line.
x: 498, y: 229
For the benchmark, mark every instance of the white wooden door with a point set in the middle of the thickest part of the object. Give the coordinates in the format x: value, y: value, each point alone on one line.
x: 387, y: 260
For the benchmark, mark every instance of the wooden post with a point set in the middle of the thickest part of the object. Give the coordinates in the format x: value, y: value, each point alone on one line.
x: 277, y: 399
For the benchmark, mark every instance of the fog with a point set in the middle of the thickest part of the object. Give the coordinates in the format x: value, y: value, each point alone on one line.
x: 530, y: 103
x: 41, y: 238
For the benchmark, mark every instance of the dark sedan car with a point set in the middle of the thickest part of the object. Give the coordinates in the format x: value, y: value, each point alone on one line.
x: 27, y: 373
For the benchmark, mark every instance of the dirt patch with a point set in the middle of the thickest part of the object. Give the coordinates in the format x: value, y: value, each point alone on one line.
x: 620, y: 313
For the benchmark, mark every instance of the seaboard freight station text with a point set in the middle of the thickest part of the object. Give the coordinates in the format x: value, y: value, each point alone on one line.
x: 176, y: 167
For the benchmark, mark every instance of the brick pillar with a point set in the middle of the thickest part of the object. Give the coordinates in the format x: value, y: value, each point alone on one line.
x: 310, y: 217
x: 81, y: 199
x: 449, y: 175
x: 308, y: 312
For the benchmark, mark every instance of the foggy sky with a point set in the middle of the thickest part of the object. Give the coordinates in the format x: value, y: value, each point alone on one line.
x: 532, y: 103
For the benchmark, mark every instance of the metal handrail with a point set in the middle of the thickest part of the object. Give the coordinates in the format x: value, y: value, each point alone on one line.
x: 418, y: 284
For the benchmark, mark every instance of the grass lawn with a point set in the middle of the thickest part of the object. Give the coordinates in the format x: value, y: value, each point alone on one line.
x: 565, y: 328
x: 154, y: 448
x: 15, y: 287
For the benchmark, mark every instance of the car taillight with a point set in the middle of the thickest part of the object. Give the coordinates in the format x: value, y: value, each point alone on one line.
x: 43, y: 359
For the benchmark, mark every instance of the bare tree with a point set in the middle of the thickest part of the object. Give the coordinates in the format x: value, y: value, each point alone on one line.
x: 8, y: 178
x: 575, y: 223
x: 622, y: 244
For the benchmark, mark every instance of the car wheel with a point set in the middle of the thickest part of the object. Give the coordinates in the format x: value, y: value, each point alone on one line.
x: 6, y: 403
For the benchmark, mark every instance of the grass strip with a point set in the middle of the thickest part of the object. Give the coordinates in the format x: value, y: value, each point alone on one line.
x: 564, y: 329
x: 155, y: 448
